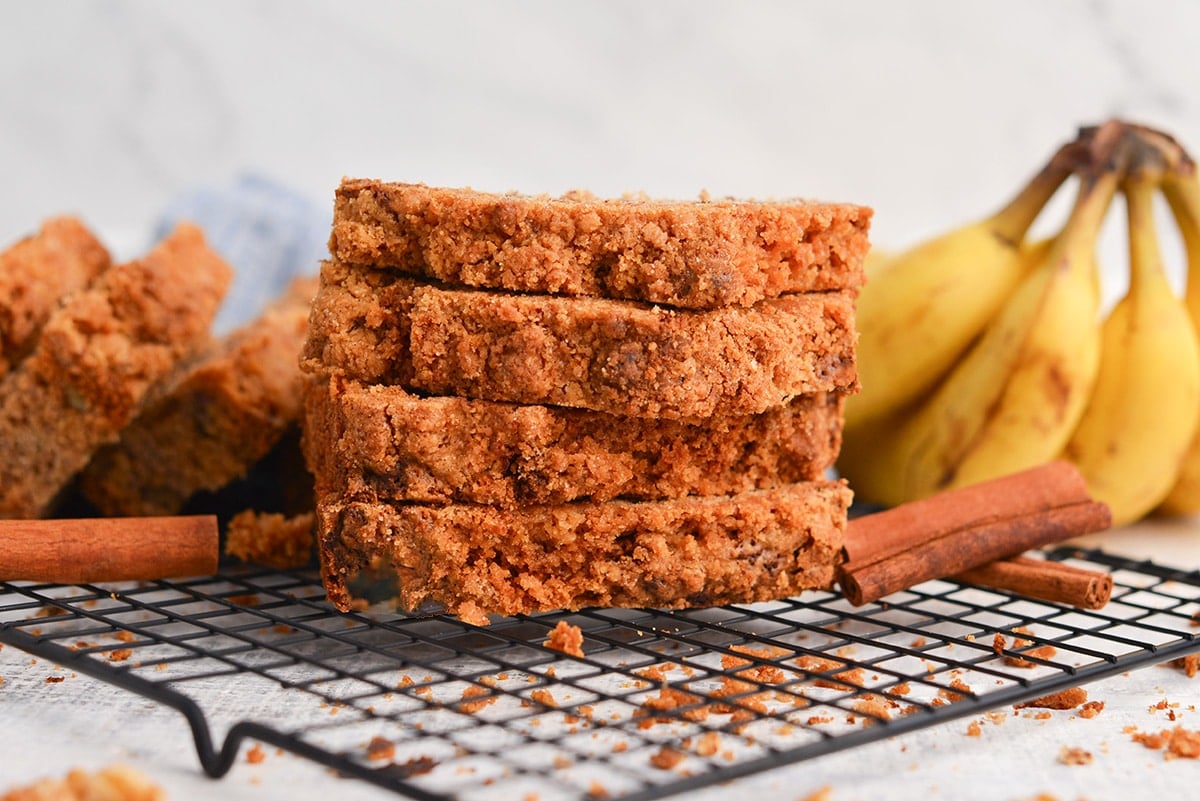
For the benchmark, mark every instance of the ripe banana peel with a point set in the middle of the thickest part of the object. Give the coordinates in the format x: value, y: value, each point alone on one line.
x: 1143, y: 411
x: 929, y: 303
x: 1182, y: 190
x: 1013, y: 398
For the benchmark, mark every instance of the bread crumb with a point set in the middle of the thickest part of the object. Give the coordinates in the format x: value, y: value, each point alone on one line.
x: 974, y: 729
x: 1066, y: 699
x: 567, y: 639
x: 544, y: 697
x: 1074, y: 756
x: 1188, y: 664
x: 1091, y: 709
x: 120, y: 655
x: 874, y: 707
x: 272, y: 540
x: 255, y: 755
x: 666, y: 758
x: 55, y: 679
x: 380, y: 748
x: 114, y: 783
x: 481, y: 699
x: 1177, y: 742
x: 597, y: 790
x: 821, y: 794
x: 708, y: 744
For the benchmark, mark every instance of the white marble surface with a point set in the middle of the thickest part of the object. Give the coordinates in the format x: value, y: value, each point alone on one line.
x: 931, y: 112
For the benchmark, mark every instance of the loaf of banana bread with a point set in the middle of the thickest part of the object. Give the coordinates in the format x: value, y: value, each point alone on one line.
x: 619, y: 357
x: 218, y: 416
x: 36, y: 273
x: 473, y: 560
x: 698, y: 255
x: 372, y: 443
x: 98, y: 356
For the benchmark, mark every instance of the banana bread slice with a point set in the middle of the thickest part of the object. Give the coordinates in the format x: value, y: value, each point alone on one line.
x: 35, y: 274
x: 98, y: 356
x: 612, y: 356
x: 697, y: 255
x: 219, y: 415
x: 381, y: 443
x: 475, y: 560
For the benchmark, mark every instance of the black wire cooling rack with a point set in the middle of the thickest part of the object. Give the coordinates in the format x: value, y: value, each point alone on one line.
x: 660, y: 702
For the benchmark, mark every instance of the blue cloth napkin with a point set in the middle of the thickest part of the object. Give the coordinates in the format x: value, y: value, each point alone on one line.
x: 267, y: 232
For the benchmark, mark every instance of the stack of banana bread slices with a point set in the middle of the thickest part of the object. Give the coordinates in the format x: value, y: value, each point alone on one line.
x: 517, y: 404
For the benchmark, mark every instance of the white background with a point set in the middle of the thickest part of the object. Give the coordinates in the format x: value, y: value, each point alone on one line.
x: 931, y: 112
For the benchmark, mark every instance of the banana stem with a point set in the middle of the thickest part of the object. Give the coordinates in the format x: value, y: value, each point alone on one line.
x: 1183, y: 195
x: 1013, y: 221
x: 1182, y: 190
x: 1145, y: 257
x: 1096, y: 192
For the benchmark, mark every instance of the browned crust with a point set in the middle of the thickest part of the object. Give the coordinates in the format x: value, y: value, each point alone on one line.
x: 695, y: 255
x: 35, y: 274
x: 97, y: 357
x: 612, y: 356
x: 478, y: 560
x: 372, y: 443
x: 219, y: 416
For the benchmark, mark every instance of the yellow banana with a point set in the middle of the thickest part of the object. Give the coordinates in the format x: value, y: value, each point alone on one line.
x: 1144, y: 409
x: 1182, y: 190
x: 1012, y: 401
x: 921, y: 309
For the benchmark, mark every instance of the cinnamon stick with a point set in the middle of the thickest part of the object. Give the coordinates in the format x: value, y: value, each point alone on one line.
x: 892, y: 531
x: 943, y: 552
x: 1045, y: 580
x: 87, y: 550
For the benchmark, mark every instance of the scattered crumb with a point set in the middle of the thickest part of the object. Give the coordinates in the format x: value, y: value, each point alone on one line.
x: 708, y: 744
x: 417, y: 766
x: 544, y: 697
x: 55, y: 679
x: 1188, y: 664
x: 481, y: 699
x: 1177, y: 742
x: 666, y: 758
x: 974, y: 729
x: 270, y: 539
x: 120, y: 655
x: 821, y: 794
x: 1091, y: 709
x: 566, y: 639
x: 1067, y: 699
x: 597, y: 790
x: 115, y: 783
x: 380, y: 748
x: 1074, y: 756
x: 255, y: 755
x: 245, y: 599
x: 125, y: 636
x: 874, y: 707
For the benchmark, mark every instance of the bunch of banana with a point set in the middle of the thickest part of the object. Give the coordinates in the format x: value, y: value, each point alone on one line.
x: 1143, y: 412
x: 931, y: 302
x: 1039, y: 376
